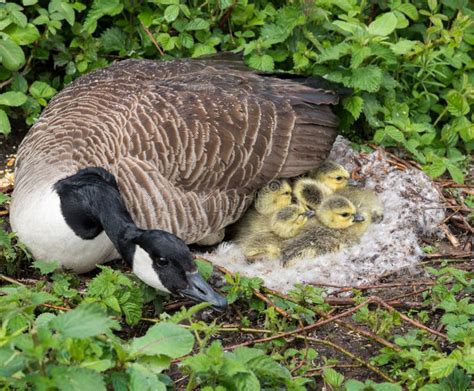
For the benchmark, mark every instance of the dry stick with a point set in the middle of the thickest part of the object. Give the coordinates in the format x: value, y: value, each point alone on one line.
x: 454, y: 255
x: 148, y: 32
x: 409, y: 294
x: 454, y: 241
x: 377, y: 286
x: 10, y: 280
x: 352, y: 356
x: 265, y: 299
x: 301, y: 329
x: 378, y: 300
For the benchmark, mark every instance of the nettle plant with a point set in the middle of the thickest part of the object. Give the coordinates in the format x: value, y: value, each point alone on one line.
x: 408, y: 63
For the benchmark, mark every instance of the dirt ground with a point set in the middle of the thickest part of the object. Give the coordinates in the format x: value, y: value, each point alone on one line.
x: 394, y: 288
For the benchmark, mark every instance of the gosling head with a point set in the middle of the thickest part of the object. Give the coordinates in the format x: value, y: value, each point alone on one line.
x: 164, y: 262
x: 310, y: 193
x: 331, y: 174
x: 275, y: 195
x: 338, y: 212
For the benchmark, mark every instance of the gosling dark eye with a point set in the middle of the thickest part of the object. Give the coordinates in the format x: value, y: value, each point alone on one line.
x: 345, y: 215
x: 339, y: 178
x: 287, y: 193
x: 163, y: 261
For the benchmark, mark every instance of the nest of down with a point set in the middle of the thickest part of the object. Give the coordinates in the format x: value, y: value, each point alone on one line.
x: 412, y: 211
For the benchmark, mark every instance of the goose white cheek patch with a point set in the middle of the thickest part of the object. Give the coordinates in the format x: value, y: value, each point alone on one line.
x: 143, y: 269
x: 411, y: 211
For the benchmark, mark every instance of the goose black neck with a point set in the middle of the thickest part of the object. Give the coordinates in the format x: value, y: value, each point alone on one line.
x: 91, y: 203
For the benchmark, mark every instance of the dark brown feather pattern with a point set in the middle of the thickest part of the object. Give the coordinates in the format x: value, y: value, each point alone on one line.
x: 189, y: 141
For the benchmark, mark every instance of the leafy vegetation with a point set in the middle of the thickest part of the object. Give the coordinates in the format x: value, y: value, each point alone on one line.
x: 409, y: 63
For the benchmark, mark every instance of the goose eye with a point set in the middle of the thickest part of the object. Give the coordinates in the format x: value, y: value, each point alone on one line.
x: 339, y: 178
x: 163, y: 261
x: 345, y: 215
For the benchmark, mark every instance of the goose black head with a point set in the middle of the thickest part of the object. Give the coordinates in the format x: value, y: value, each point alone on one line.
x: 164, y: 262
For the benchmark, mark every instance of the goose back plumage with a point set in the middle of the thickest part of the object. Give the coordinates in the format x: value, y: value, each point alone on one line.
x: 189, y: 141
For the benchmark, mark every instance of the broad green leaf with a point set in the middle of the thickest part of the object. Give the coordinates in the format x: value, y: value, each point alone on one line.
x: 19, y: 18
x: 403, y: 46
x: 334, y: 52
x: 353, y: 105
x: 205, y: 268
x: 76, y: 379
x: 98, y: 365
x: 113, y: 40
x: 12, y: 98
x: 354, y: 385
x: 11, y: 55
x: 436, y: 168
x: 40, y: 89
x: 345, y: 26
x: 273, y: 33
x: 367, y: 78
x: 300, y: 61
x: 62, y: 8
x: 359, y: 54
x: 262, y: 63
x: 23, y: 35
x: 395, y: 134
x: 409, y: 10
x: 46, y: 267
x: 197, y: 24
x: 141, y: 379
x: 383, y: 25
x: 29, y: 2
x: 86, y: 320
x: 457, y: 104
x: 164, y: 338
x: 332, y: 377
x: 171, y: 13
x: 186, y: 40
x: 99, y: 9
x: 456, y: 173
x: 5, y: 126
x: 202, y: 50
x: 442, y: 368
x: 386, y: 387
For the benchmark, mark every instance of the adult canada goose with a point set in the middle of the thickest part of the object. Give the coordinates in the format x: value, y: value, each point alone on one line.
x: 176, y: 148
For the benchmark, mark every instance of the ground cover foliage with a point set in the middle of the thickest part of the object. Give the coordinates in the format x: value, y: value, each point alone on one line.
x: 409, y: 65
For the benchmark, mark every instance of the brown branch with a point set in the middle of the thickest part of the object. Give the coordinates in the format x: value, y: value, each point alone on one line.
x: 150, y: 35
x: 352, y: 356
x: 10, y: 280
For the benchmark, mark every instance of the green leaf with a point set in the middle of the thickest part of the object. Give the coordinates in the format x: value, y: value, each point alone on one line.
x: 113, y: 40
x: 141, y: 379
x: 11, y: 55
x: 383, y: 25
x: 442, y: 368
x: 395, y: 134
x: 457, y: 104
x: 19, y: 18
x: 186, y: 40
x: 29, y: 2
x: 262, y: 63
x: 46, y: 267
x: 99, y: 9
x: 334, y: 52
x: 76, y: 379
x: 202, y: 50
x: 205, y: 268
x: 456, y: 173
x: 354, y: 385
x: 367, y: 78
x: 164, y: 338
x: 86, y: 320
x: 197, y: 24
x: 12, y: 98
x: 5, y: 126
x: 332, y: 377
x: 40, y: 89
x: 403, y: 46
x: 409, y: 10
x: 62, y: 8
x: 171, y: 13
x: 359, y: 54
x: 353, y: 105
x: 23, y: 35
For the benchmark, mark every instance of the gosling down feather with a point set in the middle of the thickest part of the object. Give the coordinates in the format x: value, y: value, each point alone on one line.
x: 175, y: 148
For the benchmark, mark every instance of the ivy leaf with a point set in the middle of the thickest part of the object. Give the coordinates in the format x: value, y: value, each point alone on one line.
x: 5, y: 126
x: 262, y: 63
x: 457, y: 104
x: 12, y: 98
x: 353, y: 105
x: 442, y: 368
x: 171, y: 13
x: 86, y: 320
x: 164, y: 338
x: 11, y: 55
x: 383, y: 25
x: 367, y: 78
